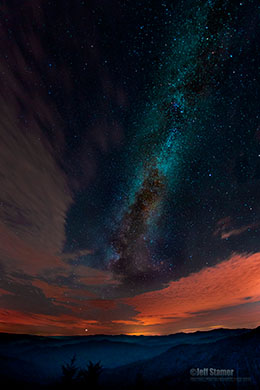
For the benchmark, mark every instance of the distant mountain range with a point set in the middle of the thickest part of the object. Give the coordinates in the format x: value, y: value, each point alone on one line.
x: 138, y: 361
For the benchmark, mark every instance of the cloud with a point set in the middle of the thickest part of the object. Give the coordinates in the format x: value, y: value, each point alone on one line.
x: 35, y: 195
x: 27, y: 297
x: 99, y: 316
x: 20, y: 255
x: 16, y: 321
x: 76, y: 254
x: 217, y: 288
x: 236, y: 232
x: 5, y: 292
x: 226, y: 295
x: 226, y: 230
x: 90, y: 276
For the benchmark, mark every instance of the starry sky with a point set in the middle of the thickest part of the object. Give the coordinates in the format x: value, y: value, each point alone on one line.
x: 129, y: 166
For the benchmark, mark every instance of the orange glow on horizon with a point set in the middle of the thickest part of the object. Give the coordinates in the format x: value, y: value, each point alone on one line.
x: 226, y: 295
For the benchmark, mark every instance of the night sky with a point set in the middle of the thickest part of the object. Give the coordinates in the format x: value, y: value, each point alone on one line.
x: 129, y: 166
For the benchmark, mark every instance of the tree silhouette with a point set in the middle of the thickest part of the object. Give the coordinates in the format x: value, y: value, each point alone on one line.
x: 69, y: 371
x: 139, y: 381
x: 89, y: 377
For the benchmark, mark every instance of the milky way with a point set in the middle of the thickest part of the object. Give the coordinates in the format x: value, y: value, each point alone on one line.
x: 180, y: 140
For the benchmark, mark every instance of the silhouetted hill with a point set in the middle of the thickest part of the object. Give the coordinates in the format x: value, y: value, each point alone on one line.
x: 162, y: 360
x: 240, y: 352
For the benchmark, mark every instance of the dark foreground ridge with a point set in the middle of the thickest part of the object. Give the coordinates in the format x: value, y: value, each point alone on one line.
x: 133, y: 362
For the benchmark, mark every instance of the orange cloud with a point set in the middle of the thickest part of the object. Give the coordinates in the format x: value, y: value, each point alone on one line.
x: 14, y: 321
x: 18, y: 322
x: 105, y: 304
x: 226, y: 295
x: 232, y: 283
x: 225, y: 231
x: 236, y: 232
x: 62, y: 294
x: 4, y: 292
